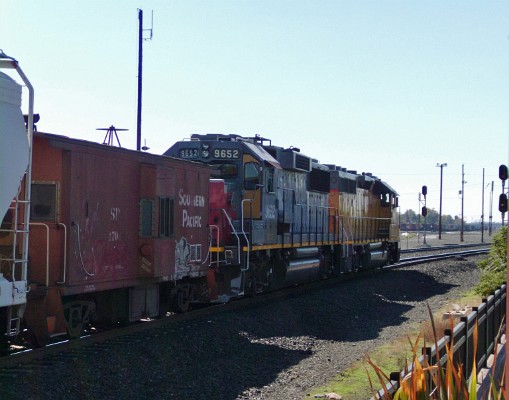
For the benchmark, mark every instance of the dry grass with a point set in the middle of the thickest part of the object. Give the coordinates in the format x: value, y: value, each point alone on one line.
x: 448, y: 383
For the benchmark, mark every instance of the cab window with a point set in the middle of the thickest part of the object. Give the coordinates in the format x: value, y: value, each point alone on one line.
x: 251, y: 175
x: 270, y: 180
x: 226, y: 171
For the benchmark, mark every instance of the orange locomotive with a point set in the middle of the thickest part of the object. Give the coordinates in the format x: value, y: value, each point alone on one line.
x: 283, y: 218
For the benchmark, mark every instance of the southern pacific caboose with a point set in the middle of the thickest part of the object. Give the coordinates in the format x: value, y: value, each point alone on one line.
x: 116, y: 235
x: 281, y: 217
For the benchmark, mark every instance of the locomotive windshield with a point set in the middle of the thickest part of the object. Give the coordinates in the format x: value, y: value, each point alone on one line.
x: 226, y: 171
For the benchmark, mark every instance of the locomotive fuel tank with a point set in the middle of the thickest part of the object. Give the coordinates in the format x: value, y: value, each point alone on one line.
x: 300, y: 266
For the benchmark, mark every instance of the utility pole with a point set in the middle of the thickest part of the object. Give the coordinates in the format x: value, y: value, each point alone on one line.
x: 482, y: 212
x: 140, y: 75
x: 419, y: 222
x: 442, y: 165
x: 462, y: 199
x: 424, y: 211
x: 490, y: 225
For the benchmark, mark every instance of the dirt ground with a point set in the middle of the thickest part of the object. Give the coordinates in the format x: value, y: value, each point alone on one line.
x: 410, y: 240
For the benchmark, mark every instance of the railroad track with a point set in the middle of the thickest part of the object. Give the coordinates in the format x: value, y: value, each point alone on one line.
x: 445, y: 247
x: 442, y: 256
x: 142, y: 331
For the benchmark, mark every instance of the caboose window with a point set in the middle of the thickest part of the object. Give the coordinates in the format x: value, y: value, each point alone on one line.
x: 166, y: 216
x: 43, y: 205
x: 195, y: 252
x: 146, y: 217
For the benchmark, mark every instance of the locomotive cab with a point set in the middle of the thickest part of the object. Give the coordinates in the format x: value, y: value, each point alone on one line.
x: 248, y: 174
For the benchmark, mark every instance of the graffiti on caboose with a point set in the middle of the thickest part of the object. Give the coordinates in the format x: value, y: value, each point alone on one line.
x: 189, y: 218
x: 182, y: 254
x: 187, y: 258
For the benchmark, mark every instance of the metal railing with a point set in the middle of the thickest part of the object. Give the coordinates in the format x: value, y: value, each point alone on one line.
x: 490, y: 319
x: 47, y: 252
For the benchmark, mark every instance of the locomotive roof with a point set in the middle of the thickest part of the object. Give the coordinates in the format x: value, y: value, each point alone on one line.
x: 263, y: 154
x: 262, y: 148
x: 364, y: 179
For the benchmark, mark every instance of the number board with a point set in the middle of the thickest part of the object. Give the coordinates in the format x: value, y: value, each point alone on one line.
x: 228, y: 154
x: 189, y: 153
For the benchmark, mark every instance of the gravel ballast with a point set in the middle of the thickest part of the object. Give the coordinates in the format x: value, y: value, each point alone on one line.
x: 276, y: 351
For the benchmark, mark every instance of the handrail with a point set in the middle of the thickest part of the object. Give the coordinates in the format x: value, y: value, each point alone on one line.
x: 244, y: 232
x: 65, y: 252
x: 11, y: 63
x: 47, y: 249
x: 233, y: 230
x: 211, y: 231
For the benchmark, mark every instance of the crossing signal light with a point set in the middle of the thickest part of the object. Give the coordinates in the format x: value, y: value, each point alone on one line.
x: 502, y: 172
x: 424, y: 190
x: 502, y: 203
x: 424, y: 211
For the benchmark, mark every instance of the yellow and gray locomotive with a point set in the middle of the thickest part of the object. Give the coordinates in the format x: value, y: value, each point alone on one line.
x: 278, y: 217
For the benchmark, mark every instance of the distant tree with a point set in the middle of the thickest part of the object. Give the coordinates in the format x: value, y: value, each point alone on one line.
x: 409, y: 217
x: 494, y: 266
x: 432, y: 218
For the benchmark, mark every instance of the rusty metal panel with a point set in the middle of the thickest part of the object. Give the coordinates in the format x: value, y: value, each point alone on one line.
x: 103, y: 194
x: 104, y: 217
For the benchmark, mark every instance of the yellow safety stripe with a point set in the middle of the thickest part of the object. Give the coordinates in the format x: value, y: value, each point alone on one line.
x: 290, y: 246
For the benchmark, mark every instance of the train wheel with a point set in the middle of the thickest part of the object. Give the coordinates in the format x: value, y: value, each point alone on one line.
x: 164, y: 301
x: 77, y: 316
x: 181, y: 298
x: 249, y: 285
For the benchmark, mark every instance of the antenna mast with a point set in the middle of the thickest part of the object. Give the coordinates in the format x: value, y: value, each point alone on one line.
x: 140, y: 63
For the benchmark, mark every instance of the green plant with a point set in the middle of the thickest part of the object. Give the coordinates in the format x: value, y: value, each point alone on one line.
x: 448, y: 383
x: 494, y: 266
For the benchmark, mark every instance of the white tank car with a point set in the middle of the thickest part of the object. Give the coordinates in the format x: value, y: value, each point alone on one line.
x: 15, y: 176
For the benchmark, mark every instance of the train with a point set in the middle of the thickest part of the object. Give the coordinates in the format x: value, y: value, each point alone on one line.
x: 114, y: 235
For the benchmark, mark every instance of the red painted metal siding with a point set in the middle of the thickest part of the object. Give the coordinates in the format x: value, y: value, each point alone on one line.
x: 43, y: 264
x: 191, y: 222
x: 100, y: 202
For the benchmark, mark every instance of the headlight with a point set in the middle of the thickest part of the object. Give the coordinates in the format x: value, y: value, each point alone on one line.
x: 204, y: 153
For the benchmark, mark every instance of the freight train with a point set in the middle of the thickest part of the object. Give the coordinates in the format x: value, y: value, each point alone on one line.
x: 118, y: 235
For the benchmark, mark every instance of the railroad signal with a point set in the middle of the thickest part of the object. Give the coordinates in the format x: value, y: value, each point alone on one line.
x: 424, y: 209
x: 502, y: 203
x: 502, y: 172
x: 502, y: 200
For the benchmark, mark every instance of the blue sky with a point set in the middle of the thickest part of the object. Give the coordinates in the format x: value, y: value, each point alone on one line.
x: 388, y: 87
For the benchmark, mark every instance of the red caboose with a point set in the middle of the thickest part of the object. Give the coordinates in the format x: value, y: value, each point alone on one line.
x: 116, y: 235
